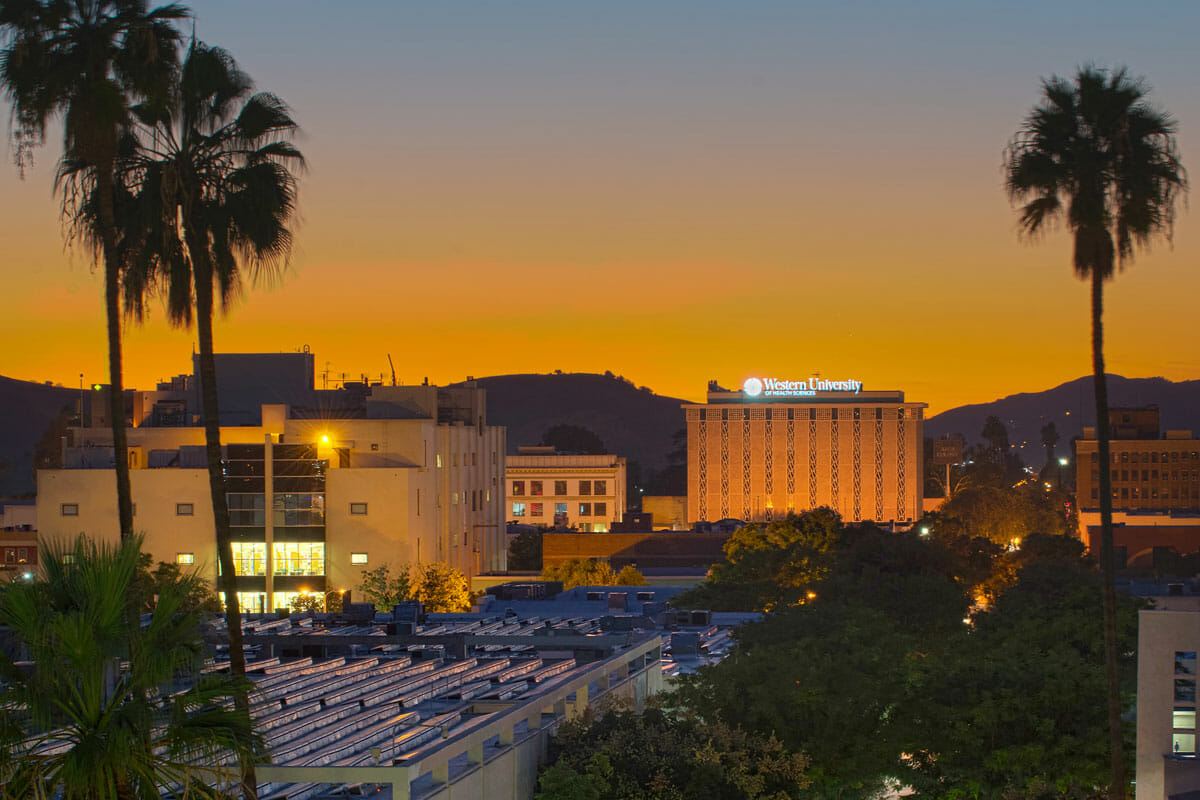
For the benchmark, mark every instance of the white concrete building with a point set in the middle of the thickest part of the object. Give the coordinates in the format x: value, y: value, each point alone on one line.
x: 413, y: 477
x: 548, y: 488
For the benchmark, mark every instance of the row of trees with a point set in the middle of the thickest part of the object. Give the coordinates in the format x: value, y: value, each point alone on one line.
x: 439, y: 586
x: 174, y: 172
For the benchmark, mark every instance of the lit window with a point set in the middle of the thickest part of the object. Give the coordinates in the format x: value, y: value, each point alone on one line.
x: 249, y: 558
x: 585, y: 509
x: 358, y: 509
x: 299, y: 558
x: 1183, y: 744
x: 185, y: 558
x: 518, y: 488
x: 560, y: 508
x: 70, y: 509
x: 536, y: 510
x: 183, y: 509
x: 358, y: 558
x: 518, y: 509
x: 1184, y: 718
x: 439, y: 460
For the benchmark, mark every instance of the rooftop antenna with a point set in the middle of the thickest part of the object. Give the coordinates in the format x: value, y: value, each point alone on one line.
x: 393, y: 366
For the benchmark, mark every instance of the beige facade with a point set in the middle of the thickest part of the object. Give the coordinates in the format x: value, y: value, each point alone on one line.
x: 1168, y: 643
x: 582, y: 491
x: 313, y: 502
x: 756, y: 456
x: 1147, y: 474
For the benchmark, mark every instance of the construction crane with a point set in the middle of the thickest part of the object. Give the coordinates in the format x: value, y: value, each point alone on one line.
x: 393, y: 366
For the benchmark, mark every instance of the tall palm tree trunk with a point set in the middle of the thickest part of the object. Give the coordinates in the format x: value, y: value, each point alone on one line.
x: 1116, y: 738
x: 220, y: 502
x: 112, y: 306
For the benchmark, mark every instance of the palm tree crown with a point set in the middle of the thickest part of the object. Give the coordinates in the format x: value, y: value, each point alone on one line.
x: 1097, y: 153
x: 215, y: 171
x: 112, y: 704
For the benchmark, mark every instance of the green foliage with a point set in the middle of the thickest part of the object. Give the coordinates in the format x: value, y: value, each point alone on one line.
x: 308, y: 603
x: 439, y: 586
x: 99, y: 711
x: 769, y: 566
x: 630, y: 576
x: 581, y: 572
x: 381, y: 587
x: 1003, y: 515
x: 1018, y: 707
x: 147, y: 585
x: 442, y: 588
x: 525, y: 552
x: 658, y: 754
x: 876, y: 678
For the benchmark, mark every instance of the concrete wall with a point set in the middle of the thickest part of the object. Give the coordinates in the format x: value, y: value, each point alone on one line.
x: 1161, y: 633
x: 156, y: 494
x: 396, y: 530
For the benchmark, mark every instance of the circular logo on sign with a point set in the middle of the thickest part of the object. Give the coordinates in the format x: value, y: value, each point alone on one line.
x: 752, y: 387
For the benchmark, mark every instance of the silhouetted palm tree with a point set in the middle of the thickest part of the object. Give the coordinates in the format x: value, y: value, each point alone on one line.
x: 83, y: 62
x: 111, y: 704
x: 215, y: 193
x: 1095, y: 153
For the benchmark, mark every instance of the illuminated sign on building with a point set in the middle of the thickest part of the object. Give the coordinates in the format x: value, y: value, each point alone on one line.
x: 773, y: 387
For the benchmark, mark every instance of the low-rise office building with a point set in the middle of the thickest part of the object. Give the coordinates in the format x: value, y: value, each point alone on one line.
x: 779, y: 446
x: 1150, y: 470
x: 402, y: 475
x: 544, y: 487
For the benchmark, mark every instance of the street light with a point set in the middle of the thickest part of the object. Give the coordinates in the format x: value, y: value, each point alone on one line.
x: 1062, y: 464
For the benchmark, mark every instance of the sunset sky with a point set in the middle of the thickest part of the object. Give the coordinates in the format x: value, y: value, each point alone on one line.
x: 674, y: 191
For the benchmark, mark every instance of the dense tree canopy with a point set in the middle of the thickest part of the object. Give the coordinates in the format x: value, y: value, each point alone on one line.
x: 659, y: 754
x: 941, y: 661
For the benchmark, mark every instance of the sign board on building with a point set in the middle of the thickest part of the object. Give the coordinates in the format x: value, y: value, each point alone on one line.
x: 947, y: 451
x: 775, y: 387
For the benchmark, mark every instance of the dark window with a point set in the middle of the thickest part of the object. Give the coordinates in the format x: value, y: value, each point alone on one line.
x: 599, y: 487
x: 1185, y: 662
x: 745, y: 413
x: 1185, y: 690
x: 70, y: 509
x: 600, y: 509
x: 585, y: 509
x: 184, y: 509
x: 585, y: 487
x: 791, y: 413
x: 535, y: 488
x: 536, y: 509
x: 358, y: 509
x: 560, y: 488
x: 518, y: 488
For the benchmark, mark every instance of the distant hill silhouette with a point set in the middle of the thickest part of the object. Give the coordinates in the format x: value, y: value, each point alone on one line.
x: 26, y: 411
x: 632, y: 422
x: 638, y: 424
x: 1070, y: 406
